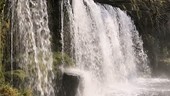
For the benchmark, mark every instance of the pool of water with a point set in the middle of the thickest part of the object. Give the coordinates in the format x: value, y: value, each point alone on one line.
x: 140, y: 87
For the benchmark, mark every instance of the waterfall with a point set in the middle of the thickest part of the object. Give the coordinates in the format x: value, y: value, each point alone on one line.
x: 106, y: 41
x: 107, y: 48
x: 30, y: 37
x: 101, y: 40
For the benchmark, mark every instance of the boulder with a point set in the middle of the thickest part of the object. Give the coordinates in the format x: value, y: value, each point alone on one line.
x: 69, y: 85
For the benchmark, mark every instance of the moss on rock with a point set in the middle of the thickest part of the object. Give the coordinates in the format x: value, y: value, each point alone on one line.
x: 64, y: 59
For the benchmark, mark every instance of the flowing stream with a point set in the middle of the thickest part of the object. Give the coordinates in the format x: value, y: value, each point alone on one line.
x: 108, y: 52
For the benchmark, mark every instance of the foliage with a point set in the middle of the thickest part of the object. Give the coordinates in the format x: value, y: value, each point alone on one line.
x: 5, y: 87
x: 2, y: 78
x: 2, y: 3
x: 149, y: 12
x: 27, y: 92
x: 1, y: 31
x: 7, y: 90
x: 60, y: 58
x: 155, y: 9
x: 4, y: 26
x: 16, y: 74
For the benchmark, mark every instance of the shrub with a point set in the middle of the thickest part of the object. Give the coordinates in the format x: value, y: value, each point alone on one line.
x: 6, y: 90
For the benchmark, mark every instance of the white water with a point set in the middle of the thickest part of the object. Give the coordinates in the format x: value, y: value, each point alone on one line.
x: 32, y: 41
x: 109, y: 53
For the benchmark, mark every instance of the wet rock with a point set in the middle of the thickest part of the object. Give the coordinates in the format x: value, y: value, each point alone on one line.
x: 69, y: 85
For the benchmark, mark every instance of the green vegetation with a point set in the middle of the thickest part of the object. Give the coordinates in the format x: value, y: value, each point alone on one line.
x: 7, y: 90
x: 20, y: 75
x: 27, y: 92
x: 1, y: 29
x: 2, y: 79
x: 156, y: 9
x: 145, y: 13
x: 60, y: 58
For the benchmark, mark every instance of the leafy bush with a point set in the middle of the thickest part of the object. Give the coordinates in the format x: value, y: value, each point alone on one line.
x: 16, y: 74
x: 6, y: 90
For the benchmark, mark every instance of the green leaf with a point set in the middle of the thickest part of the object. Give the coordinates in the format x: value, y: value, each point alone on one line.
x: 18, y: 74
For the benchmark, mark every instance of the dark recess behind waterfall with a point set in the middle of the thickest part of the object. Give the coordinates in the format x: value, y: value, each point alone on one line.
x: 155, y: 36
x: 55, y: 23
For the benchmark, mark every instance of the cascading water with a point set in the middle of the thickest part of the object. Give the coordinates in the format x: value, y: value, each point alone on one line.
x: 107, y: 50
x: 31, y: 36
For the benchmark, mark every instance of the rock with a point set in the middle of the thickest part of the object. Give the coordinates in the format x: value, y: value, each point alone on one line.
x: 69, y: 85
